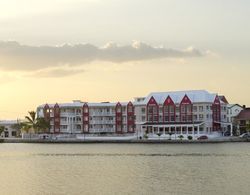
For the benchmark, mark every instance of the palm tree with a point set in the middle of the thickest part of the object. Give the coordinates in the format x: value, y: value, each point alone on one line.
x: 34, y: 124
x: 42, y: 125
x: 31, y: 121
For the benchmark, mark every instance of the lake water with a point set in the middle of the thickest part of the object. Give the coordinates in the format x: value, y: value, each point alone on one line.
x: 125, y: 168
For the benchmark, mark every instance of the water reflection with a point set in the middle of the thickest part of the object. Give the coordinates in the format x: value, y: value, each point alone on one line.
x: 124, y: 169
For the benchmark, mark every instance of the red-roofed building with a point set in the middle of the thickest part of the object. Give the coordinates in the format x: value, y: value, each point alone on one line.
x: 243, y: 120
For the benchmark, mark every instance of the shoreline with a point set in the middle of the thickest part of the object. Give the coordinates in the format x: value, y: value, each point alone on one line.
x: 77, y: 141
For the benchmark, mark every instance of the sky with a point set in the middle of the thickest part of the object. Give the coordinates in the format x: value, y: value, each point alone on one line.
x: 114, y: 50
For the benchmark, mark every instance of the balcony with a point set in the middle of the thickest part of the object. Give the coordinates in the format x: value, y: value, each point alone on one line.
x: 102, y: 113
x: 102, y: 122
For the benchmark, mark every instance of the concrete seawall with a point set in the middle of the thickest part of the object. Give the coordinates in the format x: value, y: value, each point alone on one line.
x: 77, y: 141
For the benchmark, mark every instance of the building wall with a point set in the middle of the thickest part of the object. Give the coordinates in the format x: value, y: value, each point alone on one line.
x: 232, y: 112
x: 9, y: 132
x: 104, y: 118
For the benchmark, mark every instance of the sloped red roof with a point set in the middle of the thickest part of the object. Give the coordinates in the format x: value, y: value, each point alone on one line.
x: 244, y: 115
x: 223, y: 98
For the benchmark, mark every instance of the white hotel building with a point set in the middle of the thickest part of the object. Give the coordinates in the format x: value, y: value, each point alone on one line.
x: 182, y: 112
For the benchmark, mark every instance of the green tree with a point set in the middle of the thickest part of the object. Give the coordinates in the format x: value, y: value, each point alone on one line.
x: 42, y: 125
x: 18, y: 127
x: 34, y: 124
x: 31, y: 121
x: 2, y: 128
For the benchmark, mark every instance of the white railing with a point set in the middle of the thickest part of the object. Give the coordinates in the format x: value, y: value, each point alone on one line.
x: 101, y: 122
x: 102, y: 113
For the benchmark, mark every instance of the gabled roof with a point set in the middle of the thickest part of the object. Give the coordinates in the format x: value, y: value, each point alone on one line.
x: 223, y: 98
x: 244, y: 115
x: 80, y: 104
x: 233, y: 105
x: 177, y: 96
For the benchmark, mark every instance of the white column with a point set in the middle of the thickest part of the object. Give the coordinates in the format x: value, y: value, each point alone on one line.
x: 164, y: 130
x: 175, y: 132
x: 198, y: 129
x: 187, y: 130
x: 193, y: 130
x: 231, y: 129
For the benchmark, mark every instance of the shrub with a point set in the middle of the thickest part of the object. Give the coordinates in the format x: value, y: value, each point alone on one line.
x: 180, y: 137
x: 190, y: 137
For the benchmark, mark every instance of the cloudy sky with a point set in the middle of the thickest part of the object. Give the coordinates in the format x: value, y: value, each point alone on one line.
x: 109, y: 50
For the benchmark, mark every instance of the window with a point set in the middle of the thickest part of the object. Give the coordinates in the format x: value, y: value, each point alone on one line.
x: 201, y: 116
x: 118, y: 128
x: 130, y: 118
x: 200, y: 108
x: 13, y: 133
x: 150, y: 118
x: 189, y: 108
x: 130, y: 109
x: 171, y: 108
x: 189, y: 118
x: 172, y: 118
x: 154, y: 109
x: 195, y: 108
x: 150, y: 110
x: 156, y: 118
x: 118, y: 109
x: 207, y: 108
x: 166, y: 118
x: 143, y: 110
x: 86, y: 127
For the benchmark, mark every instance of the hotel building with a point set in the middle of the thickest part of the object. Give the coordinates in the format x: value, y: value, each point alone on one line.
x: 181, y: 112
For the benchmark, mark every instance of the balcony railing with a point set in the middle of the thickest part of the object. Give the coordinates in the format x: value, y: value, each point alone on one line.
x: 102, y: 122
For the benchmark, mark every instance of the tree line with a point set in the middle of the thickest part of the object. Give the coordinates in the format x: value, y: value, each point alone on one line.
x: 31, y: 124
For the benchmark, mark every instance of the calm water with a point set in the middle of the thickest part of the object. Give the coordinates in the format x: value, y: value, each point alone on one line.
x: 125, y: 168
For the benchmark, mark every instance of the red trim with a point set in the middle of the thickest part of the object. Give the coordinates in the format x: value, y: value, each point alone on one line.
x: 216, y: 109
x: 184, y: 103
x: 130, y: 118
x: 57, y: 118
x: 151, y: 105
x: 46, y: 114
x: 118, y: 118
x: 166, y: 106
x: 85, y: 117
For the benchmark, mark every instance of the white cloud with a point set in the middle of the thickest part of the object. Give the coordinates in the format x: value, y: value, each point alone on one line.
x: 44, y: 59
x: 55, y: 72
